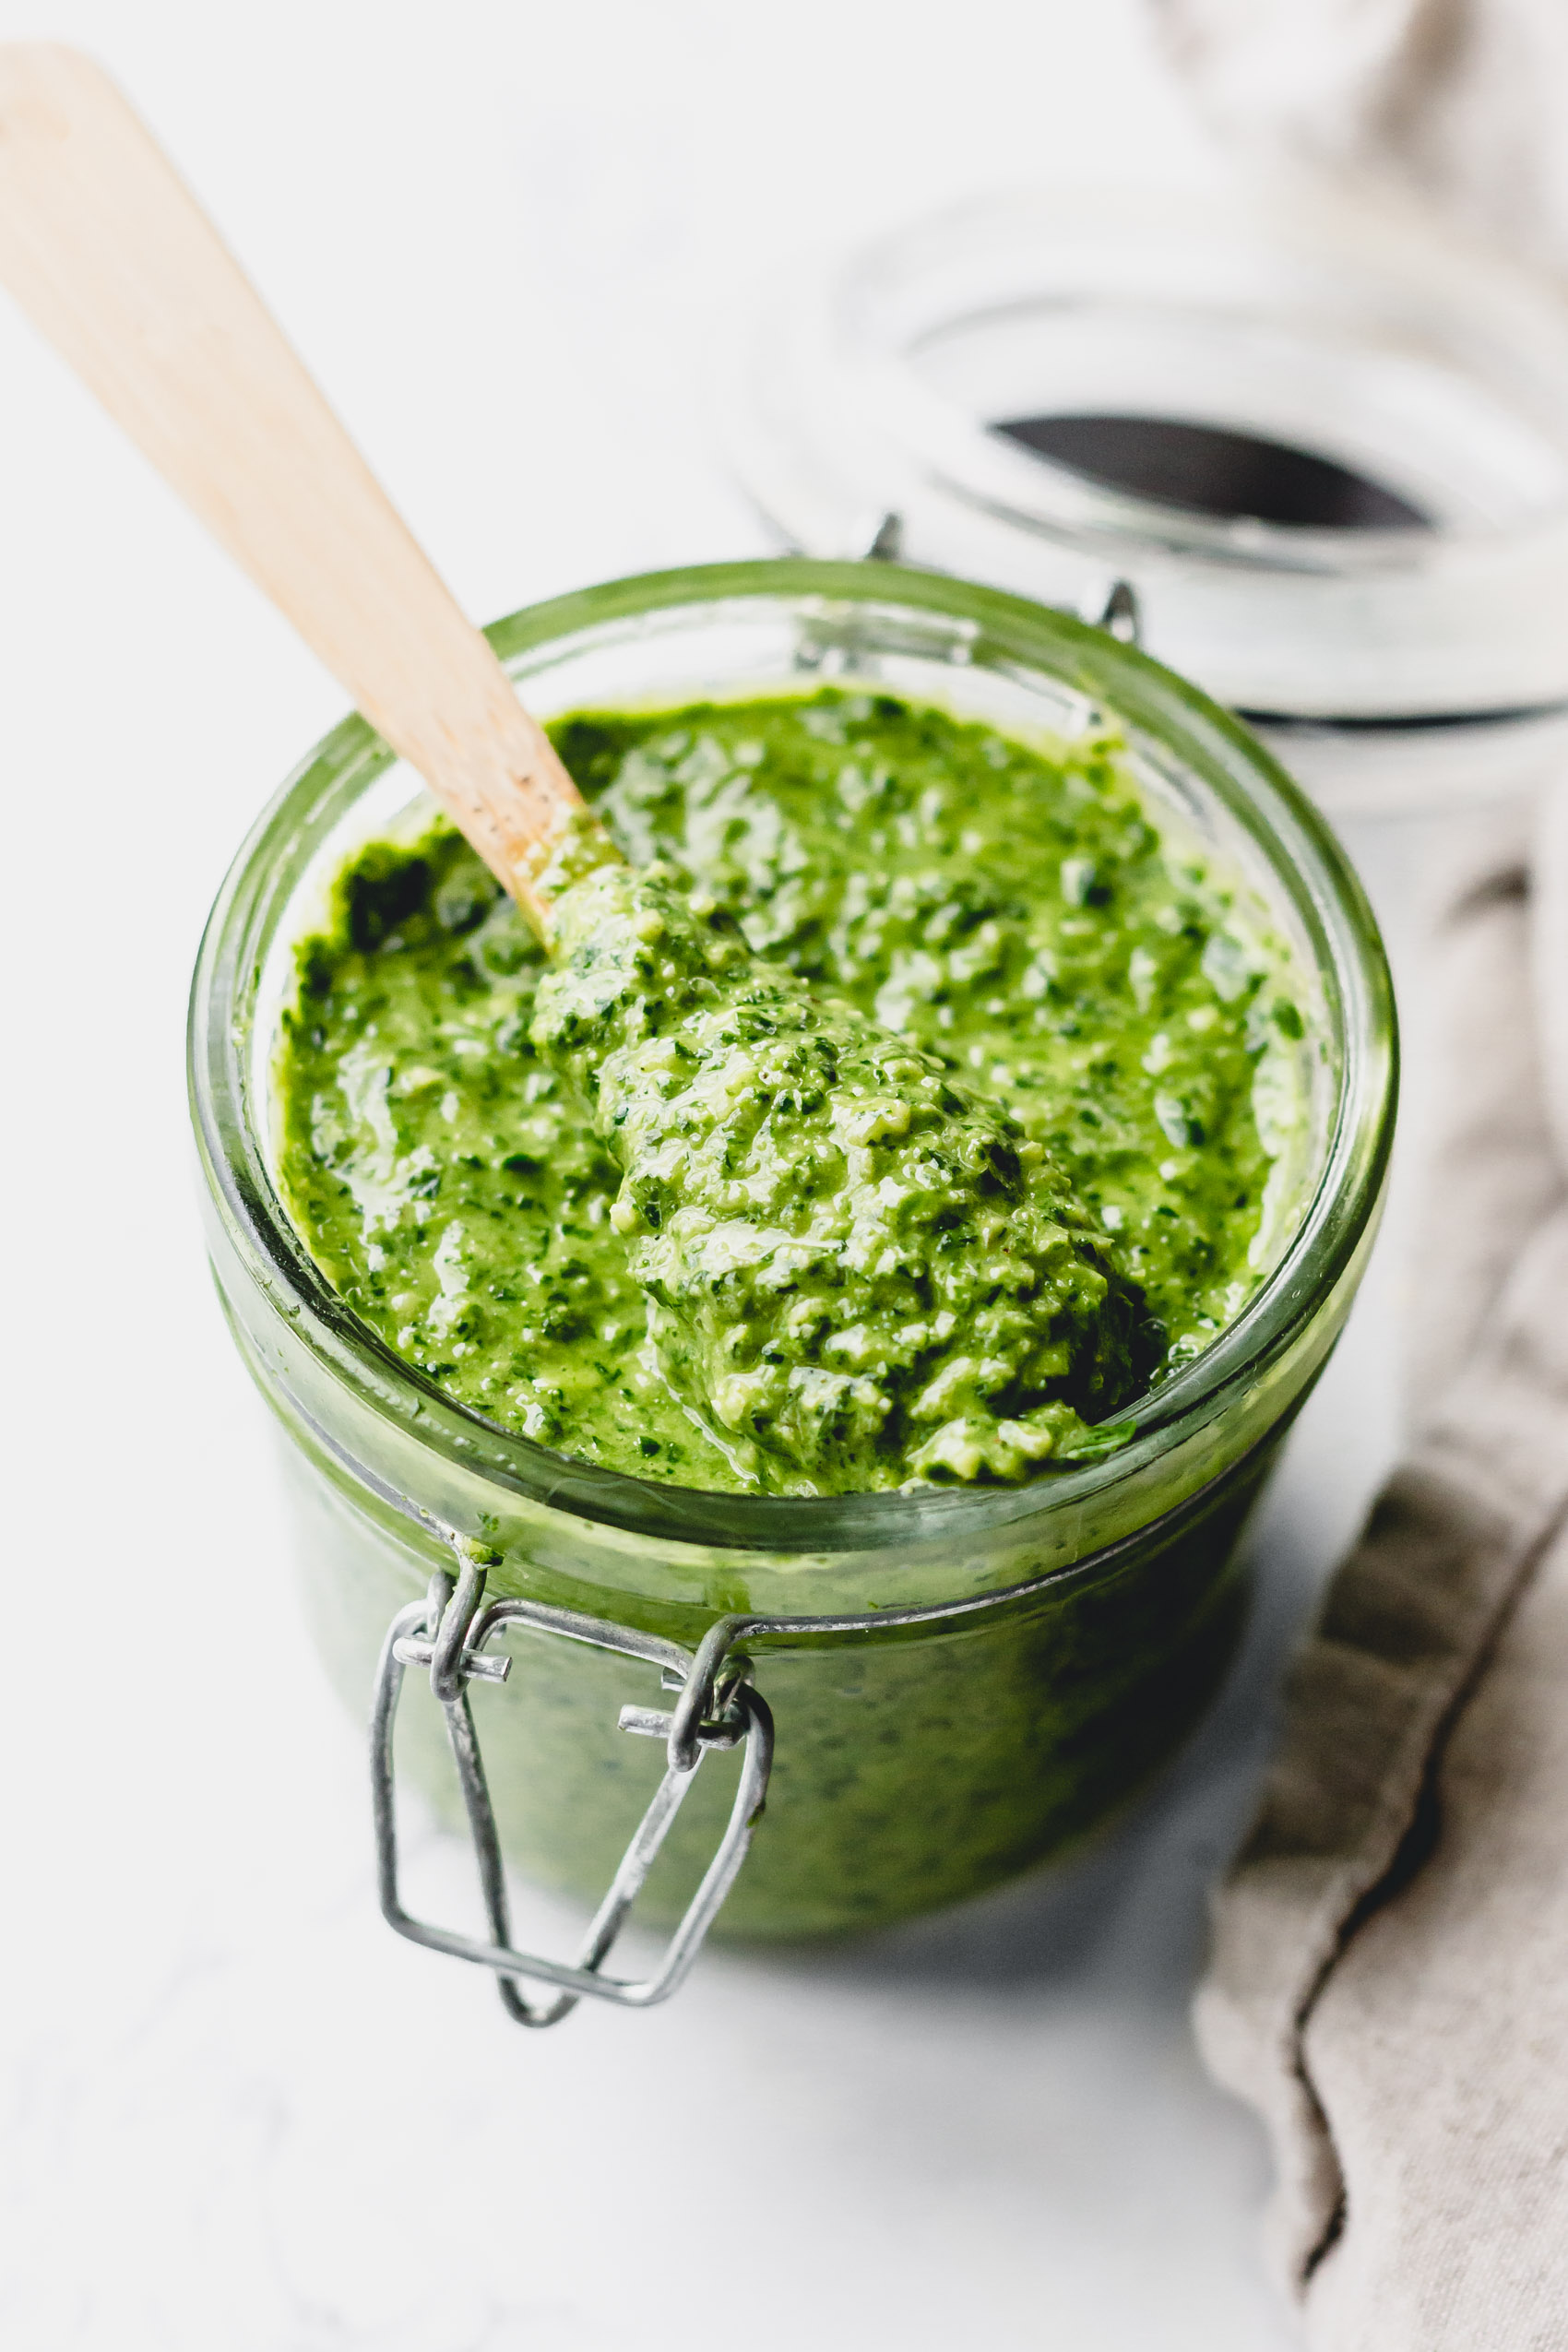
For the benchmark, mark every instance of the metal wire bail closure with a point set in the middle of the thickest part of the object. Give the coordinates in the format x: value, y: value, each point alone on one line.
x: 717, y: 1708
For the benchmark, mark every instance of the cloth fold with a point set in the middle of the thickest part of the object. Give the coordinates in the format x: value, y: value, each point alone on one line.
x: 1389, y: 1978
x: 1463, y: 102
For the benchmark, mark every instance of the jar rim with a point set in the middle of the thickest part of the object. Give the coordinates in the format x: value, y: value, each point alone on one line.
x: 1298, y: 847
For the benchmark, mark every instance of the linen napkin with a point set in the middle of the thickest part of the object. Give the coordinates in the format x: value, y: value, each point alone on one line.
x: 1389, y: 1976
x: 1461, y: 101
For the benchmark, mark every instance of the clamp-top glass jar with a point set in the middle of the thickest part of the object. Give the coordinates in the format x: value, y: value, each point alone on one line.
x: 1001, y: 1666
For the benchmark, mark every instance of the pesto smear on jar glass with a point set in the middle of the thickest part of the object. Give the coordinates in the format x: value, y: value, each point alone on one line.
x: 906, y: 1109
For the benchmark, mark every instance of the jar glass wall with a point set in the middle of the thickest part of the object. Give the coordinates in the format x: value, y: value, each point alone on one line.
x: 1099, y: 1603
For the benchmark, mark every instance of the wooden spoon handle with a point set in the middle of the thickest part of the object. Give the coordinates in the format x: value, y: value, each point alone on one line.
x: 106, y: 249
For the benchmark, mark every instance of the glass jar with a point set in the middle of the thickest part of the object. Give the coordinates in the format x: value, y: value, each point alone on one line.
x: 1007, y: 1664
x: 1323, y: 436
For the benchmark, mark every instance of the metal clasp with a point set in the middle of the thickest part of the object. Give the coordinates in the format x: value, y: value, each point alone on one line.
x: 716, y: 1707
x: 1117, y: 609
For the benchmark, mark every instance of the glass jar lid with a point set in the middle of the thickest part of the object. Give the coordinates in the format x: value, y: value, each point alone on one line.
x: 1324, y: 440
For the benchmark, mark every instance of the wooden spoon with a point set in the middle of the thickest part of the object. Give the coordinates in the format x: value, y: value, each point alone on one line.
x: 110, y: 255
x: 108, y: 251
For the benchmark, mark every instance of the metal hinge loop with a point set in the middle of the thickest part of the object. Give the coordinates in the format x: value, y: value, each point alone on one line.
x: 716, y: 1709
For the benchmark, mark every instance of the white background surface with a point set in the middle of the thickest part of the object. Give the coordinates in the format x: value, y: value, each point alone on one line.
x: 237, y: 2112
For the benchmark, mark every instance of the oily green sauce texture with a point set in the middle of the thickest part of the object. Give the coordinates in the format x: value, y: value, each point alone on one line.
x: 858, y: 1266
x: 938, y: 1141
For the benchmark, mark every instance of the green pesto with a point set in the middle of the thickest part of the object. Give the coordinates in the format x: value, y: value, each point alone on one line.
x: 921, y: 1170
x: 862, y: 1270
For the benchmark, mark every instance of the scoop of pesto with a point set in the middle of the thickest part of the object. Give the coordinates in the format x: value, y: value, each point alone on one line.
x: 892, y: 1118
x: 864, y: 1268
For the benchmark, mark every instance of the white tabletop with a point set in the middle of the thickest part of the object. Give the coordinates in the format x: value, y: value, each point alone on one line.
x: 238, y: 2113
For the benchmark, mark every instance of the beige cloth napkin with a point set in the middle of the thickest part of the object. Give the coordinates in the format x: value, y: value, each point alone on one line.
x: 1464, y: 100
x: 1389, y: 1978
